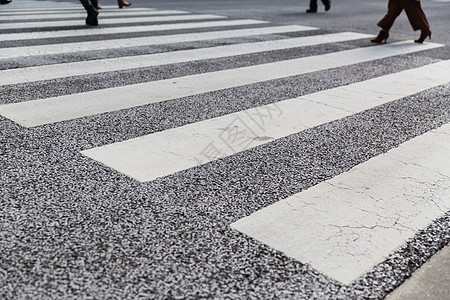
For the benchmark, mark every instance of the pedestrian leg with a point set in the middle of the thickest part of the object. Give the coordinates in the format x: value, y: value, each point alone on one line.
x: 91, y: 11
x: 327, y: 4
x: 395, y: 7
x: 418, y: 20
x: 416, y: 16
x: 312, y: 6
x: 94, y: 3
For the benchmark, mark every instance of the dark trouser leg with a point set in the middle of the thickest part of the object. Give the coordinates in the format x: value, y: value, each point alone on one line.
x: 92, y: 12
x: 416, y: 16
x: 87, y: 4
x: 313, y: 5
x: 327, y: 4
x: 95, y: 3
x: 395, y: 7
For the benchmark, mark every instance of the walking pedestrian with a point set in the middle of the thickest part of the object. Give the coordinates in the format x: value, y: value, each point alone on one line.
x: 91, y: 7
x: 5, y: 1
x: 415, y: 14
x: 313, y: 6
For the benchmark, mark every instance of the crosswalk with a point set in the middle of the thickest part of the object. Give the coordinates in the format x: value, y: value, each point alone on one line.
x: 343, y: 226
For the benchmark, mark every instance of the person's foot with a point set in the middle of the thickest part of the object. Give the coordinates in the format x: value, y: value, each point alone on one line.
x: 91, y: 19
x: 123, y: 3
x: 5, y: 1
x: 327, y: 5
x: 381, y: 37
x: 311, y: 10
x: 423, y: 35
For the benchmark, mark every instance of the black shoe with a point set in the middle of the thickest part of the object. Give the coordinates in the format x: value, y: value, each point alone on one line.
x: 327, y: 5
x: 311, y: 10
x: 92, y: 20
x: 5, y: 1
x: 92, y: 17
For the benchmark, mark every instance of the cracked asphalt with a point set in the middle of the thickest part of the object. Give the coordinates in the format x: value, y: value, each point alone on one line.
x: 71, y: 228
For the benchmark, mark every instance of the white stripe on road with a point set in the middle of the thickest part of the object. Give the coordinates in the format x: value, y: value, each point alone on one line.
x: 125, y: 29
x: 145, y: 41
x: 115, y: 21
x: 163, y: 153
x: 346, y: 225
x: 82, y: 14
x: 14, y: 76
x: 41, y: 9
x: 66, y: 11
x: 50, y: 110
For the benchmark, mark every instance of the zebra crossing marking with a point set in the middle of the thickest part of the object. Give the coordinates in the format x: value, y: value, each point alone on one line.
x: 46, y: 72
x: 63, y: 108
x: 163, y: 153
x: 60, y: 9
x: 33, y: 6
x: 145, y: 41
x: 346, y: 225
x: 124, y: 29
x: 82, y: 14
x: 404, y: 217
x: 110, y: 21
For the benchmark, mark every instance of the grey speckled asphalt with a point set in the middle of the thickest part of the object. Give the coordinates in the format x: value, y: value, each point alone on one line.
x: 71, y: 228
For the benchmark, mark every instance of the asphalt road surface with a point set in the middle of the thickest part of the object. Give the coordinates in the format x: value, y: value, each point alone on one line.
x: 220, y: 149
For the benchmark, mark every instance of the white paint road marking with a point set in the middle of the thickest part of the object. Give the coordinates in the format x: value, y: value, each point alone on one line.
x: 56, y: 109
x: 82, y: 14
x: 68, y: 10
x: 124, y: 29
x: 163, y: 153
x: 60, y: 9
x: 39, y: 8
x: 115, y: 21
x: 145, y: 41
x: 346, y: 225
x: 30, y: 74
x: 62, y: 108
